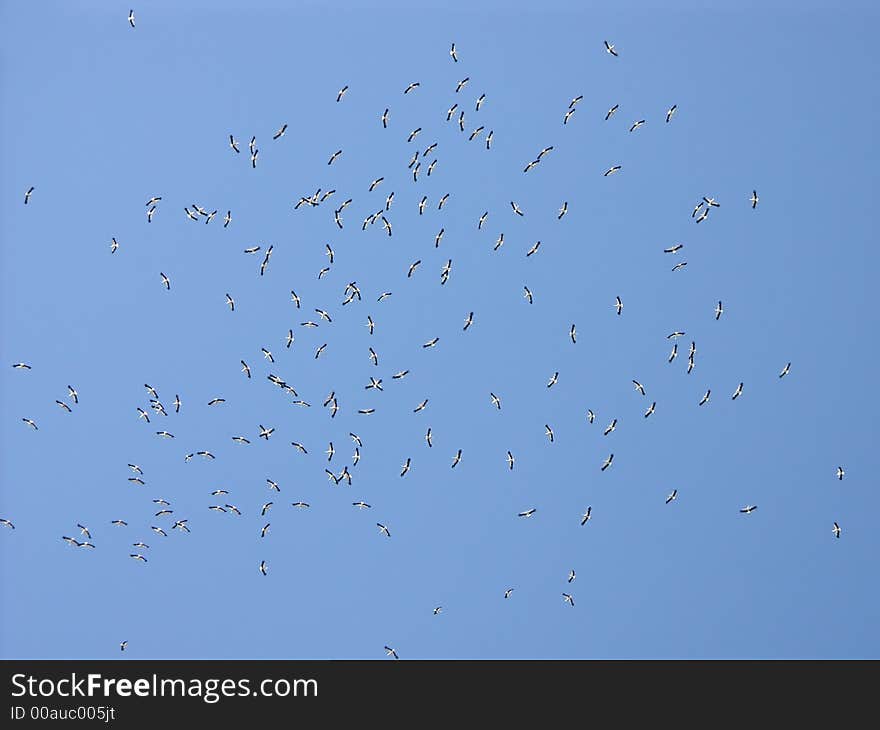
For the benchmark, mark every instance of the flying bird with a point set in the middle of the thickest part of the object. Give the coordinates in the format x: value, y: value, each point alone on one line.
x: 457, y: 459
x: 607, y: 462
x: 266, y: 260
x: 671, y: 496
x: 280, y: 132
x: 131, y: 18
x: 585, y: 517
x: 754, y: 199
x: 609, y: 47
x: 670, y: 112
x: 265, y: 433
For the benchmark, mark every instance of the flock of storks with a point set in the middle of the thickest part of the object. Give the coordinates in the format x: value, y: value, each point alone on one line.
x: 163, y: 520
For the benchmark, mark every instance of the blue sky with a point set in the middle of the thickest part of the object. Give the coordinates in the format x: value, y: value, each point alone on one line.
x: 100, y: 117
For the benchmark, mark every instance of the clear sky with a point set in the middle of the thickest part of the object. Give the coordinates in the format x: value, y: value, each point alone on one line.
x: 99, y: 117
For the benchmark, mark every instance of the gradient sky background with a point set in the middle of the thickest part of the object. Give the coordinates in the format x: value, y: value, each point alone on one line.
x: 99, y: 117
